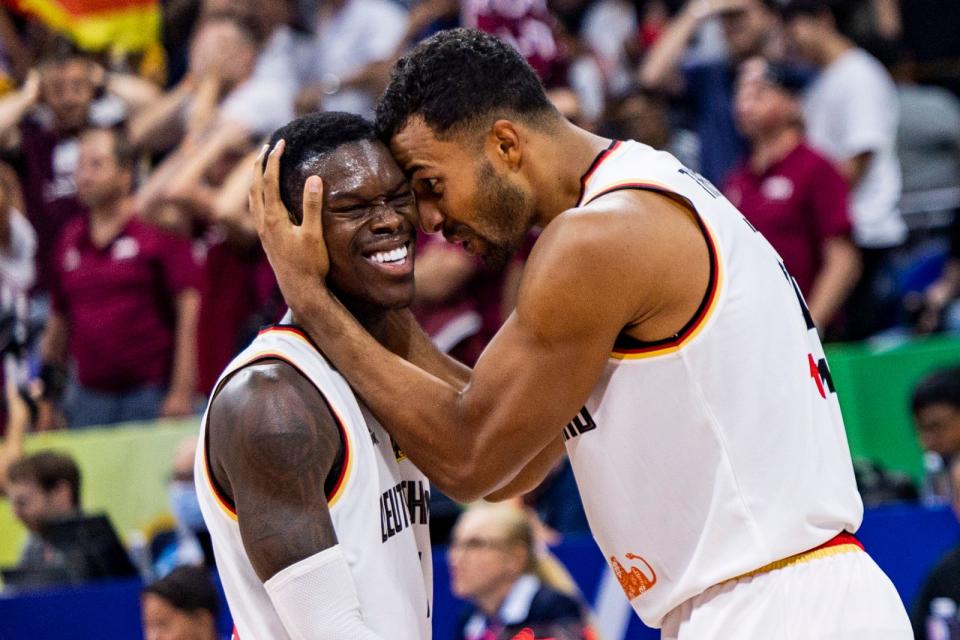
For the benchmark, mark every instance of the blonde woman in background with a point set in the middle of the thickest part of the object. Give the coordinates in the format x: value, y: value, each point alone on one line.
x: 510, y: 584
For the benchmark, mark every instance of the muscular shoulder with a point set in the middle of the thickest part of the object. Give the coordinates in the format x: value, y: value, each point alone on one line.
x: 615, y: 256
x: 268, y: 418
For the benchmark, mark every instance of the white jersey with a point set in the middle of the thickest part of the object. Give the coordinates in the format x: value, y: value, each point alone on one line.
x: 379, y: 507
x: 717, y: 451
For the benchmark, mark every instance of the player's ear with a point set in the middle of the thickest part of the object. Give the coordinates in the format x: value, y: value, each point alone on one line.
x: 504, y: 142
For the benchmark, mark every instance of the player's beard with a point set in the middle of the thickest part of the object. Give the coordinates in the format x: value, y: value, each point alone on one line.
x: 503, y: 209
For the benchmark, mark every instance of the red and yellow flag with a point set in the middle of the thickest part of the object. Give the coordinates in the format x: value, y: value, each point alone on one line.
x: 120, y: 25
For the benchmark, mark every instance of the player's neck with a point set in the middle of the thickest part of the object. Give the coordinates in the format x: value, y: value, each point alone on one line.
x: 567, y: 155
x: 371, y: 317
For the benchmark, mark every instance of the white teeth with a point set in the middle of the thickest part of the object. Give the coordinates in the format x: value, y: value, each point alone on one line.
x: 396, y: 255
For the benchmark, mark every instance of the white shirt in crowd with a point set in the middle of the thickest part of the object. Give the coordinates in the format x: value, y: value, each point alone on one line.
x: 851, y: 108
x: 363, y: 32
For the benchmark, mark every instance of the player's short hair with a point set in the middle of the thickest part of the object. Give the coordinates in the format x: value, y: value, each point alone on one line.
x: 48, y: 469
x: 306, y: 141
x: 458, y: 79
x: 188, y: 589
x: 940, y: 387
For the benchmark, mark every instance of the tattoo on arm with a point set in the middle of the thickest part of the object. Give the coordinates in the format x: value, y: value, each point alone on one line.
x: 273, y: 442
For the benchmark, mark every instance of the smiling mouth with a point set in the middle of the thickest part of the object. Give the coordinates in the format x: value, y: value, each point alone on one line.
x: 398, y: 258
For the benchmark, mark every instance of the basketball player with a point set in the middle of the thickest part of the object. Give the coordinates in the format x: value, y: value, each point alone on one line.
x: 657, y: 336
x: 318, y: 522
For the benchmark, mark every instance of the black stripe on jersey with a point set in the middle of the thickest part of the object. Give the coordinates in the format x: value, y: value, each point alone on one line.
x: 339, y: 463
x: 629, y: 343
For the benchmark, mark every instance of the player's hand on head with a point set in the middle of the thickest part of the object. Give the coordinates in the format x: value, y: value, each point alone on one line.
x: 297, y: 253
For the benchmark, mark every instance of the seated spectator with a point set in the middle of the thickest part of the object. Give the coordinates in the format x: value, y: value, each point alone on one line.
x: 936, y: 412
x: 125, y: 302
x: 42, y: 486
x: 789, y: 192
x: 749, y: 30
x: 189, y: 542
x: 851, y: 116
x: 943, y: 582
x: 181, y: 606
x: 494, y: 564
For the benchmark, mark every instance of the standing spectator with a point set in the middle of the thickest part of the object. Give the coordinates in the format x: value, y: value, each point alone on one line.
x: 354, y: 38
x: 748, y: 27
x: 125, y: 300
x: 789, y: 192
x: 181, y: 606
x: 39, y: 125
x: 943, y: 582
x: 494, y: 564
x: 42, y: 486
x: 851, y: 115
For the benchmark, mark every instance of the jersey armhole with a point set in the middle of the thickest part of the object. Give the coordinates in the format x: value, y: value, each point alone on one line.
x: 337, y: 474
x: 628, y: 344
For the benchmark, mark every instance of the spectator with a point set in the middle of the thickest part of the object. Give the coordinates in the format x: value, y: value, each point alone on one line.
x: 189, y: 542
x: 789, y: 192
x: 749, y: 28
x: 943, y: 582
x: 181, y: 606
x: 18, y: 420
x: 218, y: 95
x: 38, y: 131
x: 353, y: 38
x: 928, y: 146
x: 43, y: 486
x: 936, y: 412
x: 494, y: 565
x: 644, y: 116
x: 125, y: 301
x: 851, y: 115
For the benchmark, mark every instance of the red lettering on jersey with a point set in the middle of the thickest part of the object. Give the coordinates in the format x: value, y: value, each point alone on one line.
x: 815, y: 374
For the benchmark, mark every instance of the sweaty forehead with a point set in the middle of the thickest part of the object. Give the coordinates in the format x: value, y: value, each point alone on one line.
x: 416, y: 146
x: 364, y: 168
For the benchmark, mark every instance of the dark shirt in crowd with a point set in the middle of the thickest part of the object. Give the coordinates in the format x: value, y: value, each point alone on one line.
x: 943, y: 582
x: 45, y: 164
x: 709, y: 88
x: 119, y: 303
x: 797, y: 204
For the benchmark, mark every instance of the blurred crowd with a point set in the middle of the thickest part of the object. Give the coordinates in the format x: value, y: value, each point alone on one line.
x: 130, y: 272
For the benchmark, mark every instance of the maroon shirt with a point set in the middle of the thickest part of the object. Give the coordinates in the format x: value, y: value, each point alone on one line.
x: 120, y: 302
x: 797, y: 204
x: 46, y: 165
x: 235, y: 286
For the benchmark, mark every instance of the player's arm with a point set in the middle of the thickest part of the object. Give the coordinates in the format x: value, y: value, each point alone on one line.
x: 275, y: 442
x: 532, y: 475
x: 530, y: 381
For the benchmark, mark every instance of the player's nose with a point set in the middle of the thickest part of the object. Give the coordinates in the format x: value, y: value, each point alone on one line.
x: 431, y: 220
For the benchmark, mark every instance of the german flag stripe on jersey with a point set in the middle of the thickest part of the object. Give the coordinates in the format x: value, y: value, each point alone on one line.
x: 346, y: 467
x: 628, y: 348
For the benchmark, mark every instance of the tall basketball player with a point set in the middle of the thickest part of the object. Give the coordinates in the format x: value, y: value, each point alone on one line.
x: 657, y: 337
x: 318, y: 521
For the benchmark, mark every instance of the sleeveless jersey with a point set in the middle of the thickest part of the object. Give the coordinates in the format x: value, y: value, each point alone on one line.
x: 379, y: 508
x: 719, y: 450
